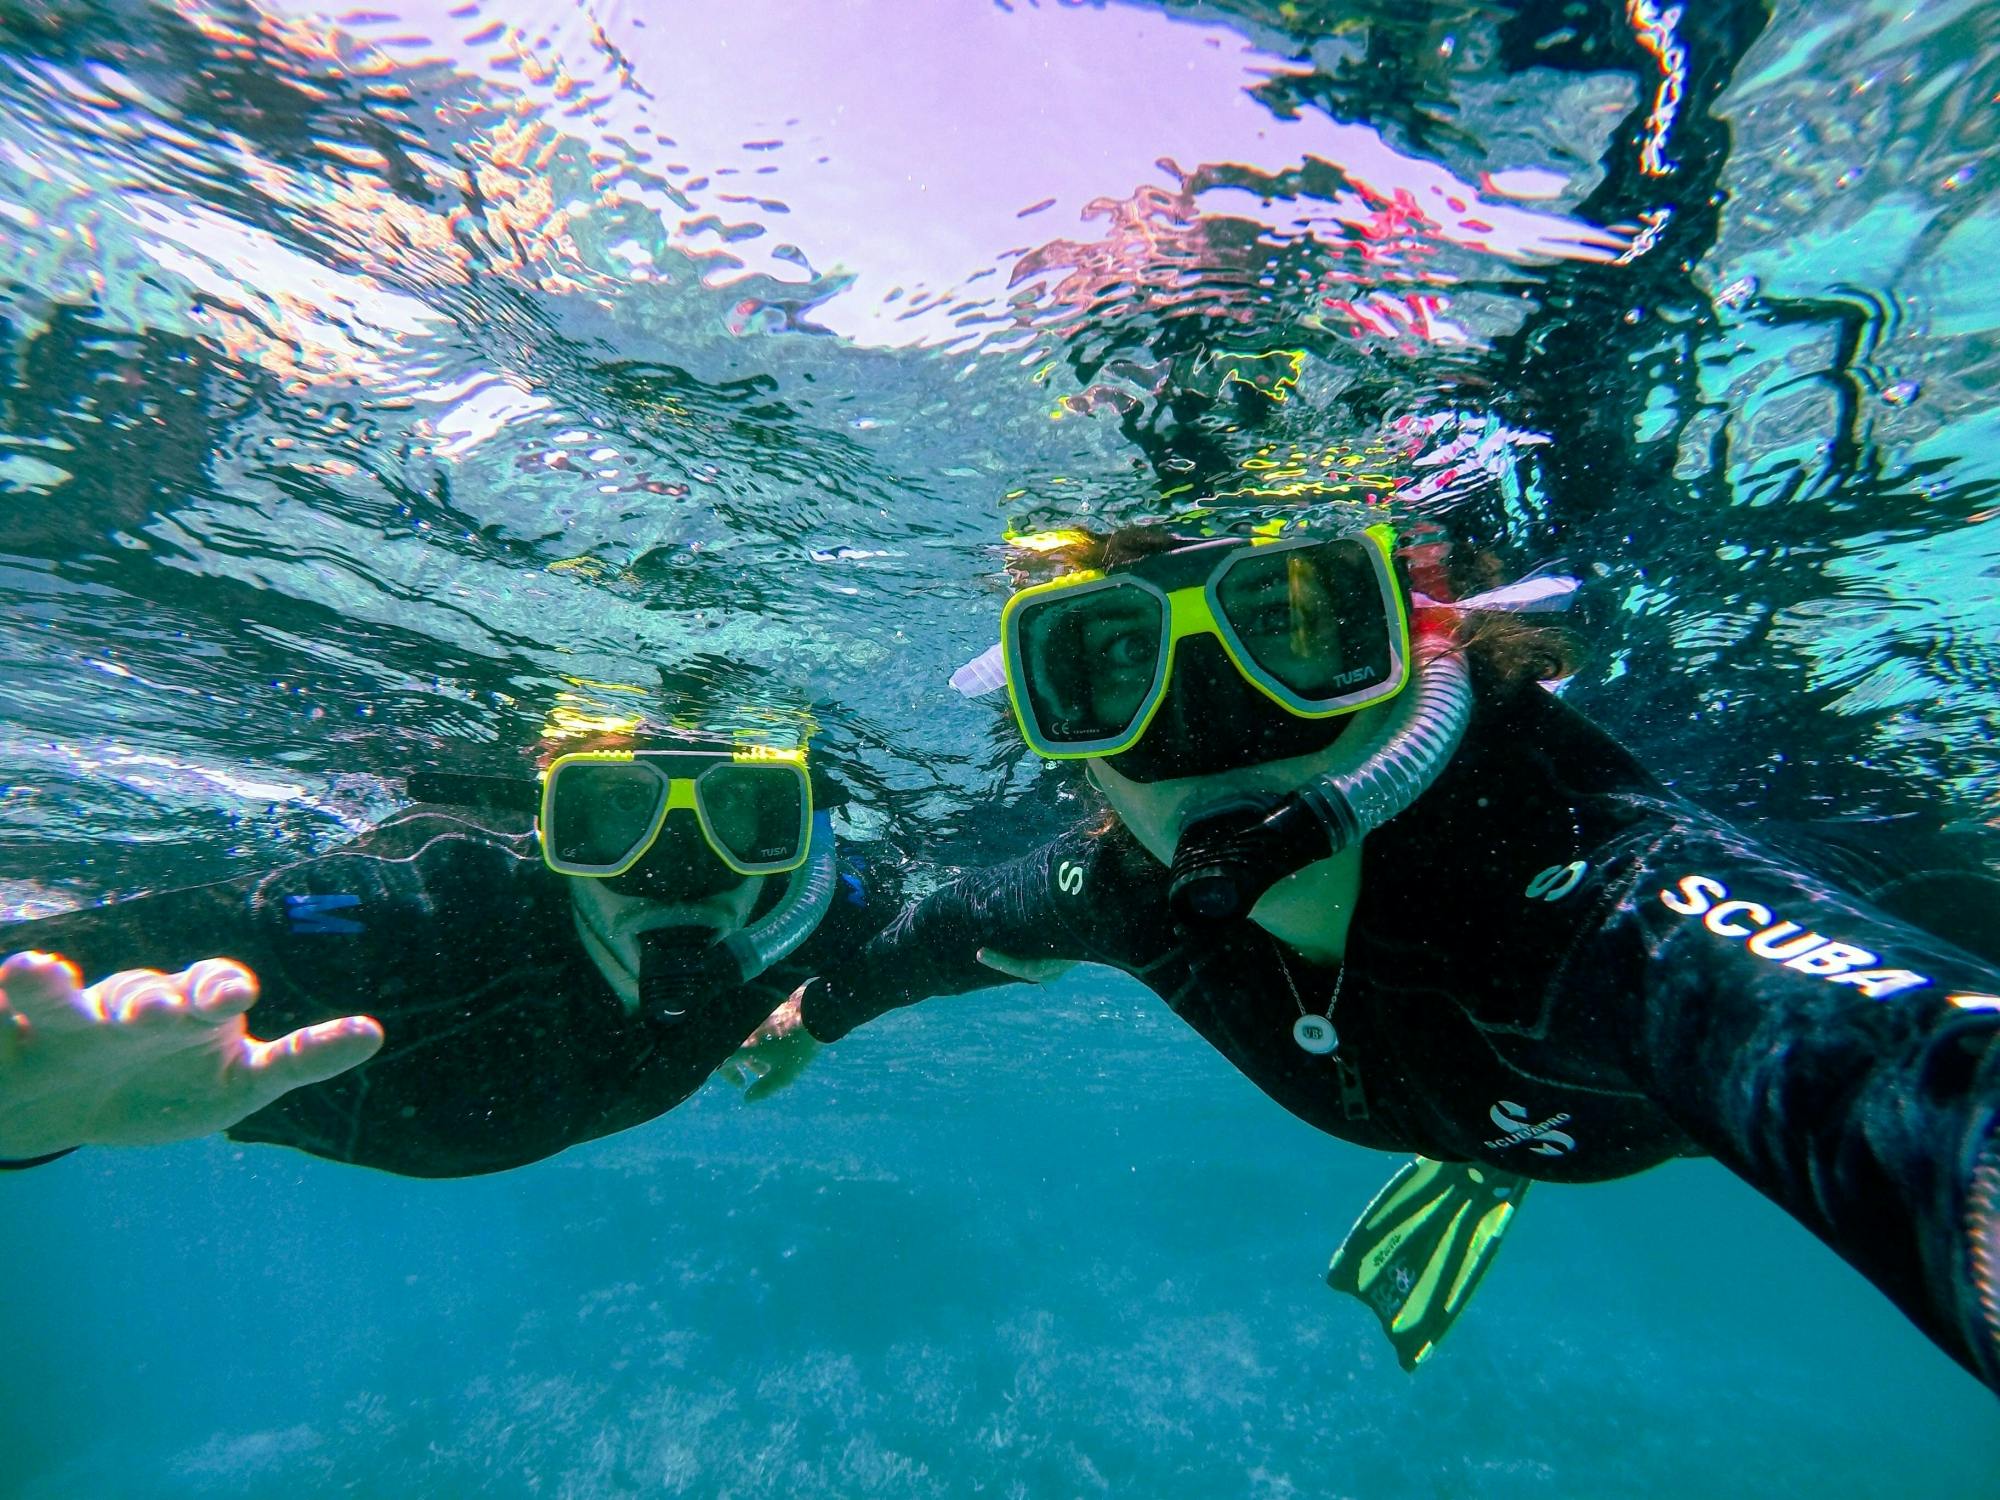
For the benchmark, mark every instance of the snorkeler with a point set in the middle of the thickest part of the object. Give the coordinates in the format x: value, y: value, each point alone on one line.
x: 1427, y: 907
x: 548, y: 963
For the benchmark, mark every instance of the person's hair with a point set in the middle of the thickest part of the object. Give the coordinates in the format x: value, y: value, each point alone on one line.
x: 1509, y: 649
x: 1513, y: 649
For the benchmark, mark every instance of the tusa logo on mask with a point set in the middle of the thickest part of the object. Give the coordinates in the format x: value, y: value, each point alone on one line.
x: 1782, y: 942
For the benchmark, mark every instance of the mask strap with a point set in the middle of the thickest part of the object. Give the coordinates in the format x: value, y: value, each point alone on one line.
x: 985, y: 673
x: 1527, y: 596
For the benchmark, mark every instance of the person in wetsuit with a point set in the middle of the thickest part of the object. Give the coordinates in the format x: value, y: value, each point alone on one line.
x: 1427, y: 907
x: 540, y: 966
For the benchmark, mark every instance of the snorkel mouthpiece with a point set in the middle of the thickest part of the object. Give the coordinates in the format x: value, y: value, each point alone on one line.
x: 1224, y: 861
x: 678, y: 966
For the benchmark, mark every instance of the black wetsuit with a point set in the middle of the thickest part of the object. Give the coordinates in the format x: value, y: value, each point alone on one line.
x: 504, y: 1042
x: 1554, y: 966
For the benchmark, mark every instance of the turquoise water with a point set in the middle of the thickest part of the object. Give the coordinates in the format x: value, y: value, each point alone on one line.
x: 930, y: 1270
x: 376, y: 381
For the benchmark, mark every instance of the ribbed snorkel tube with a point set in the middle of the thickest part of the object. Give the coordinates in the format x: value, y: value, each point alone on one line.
x: 807, y: 896
x: 1422, y: 734
x: 1225, y: 861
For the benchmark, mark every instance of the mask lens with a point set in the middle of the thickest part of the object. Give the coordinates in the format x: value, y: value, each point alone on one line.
x: 756, y: 813
x: 600, y: 812
x: 1090, y: 661
x: 1312, y: 618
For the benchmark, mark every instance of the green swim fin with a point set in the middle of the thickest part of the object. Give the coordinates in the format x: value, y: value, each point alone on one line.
x: 1419, y: 1250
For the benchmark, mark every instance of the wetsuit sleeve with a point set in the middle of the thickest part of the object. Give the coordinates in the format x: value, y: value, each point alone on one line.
x: 931, y: 946
x: 320, y: 935
x: 315, y: 933
x: 1844, y: 1063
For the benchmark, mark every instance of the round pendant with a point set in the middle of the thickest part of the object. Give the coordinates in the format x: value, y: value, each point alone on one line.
x: 1315, y: 1034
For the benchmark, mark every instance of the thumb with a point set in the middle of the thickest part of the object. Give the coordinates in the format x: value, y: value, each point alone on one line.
x: 311, y: 1054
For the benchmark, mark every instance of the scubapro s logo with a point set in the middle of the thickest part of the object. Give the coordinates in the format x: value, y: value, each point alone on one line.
x: 1069, y: 878
x: 1557, y: 881
x: 1541, y: 1138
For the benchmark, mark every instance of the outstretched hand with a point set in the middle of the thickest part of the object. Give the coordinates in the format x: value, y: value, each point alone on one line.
x: 773, y: 1055
x: 143, y: 1058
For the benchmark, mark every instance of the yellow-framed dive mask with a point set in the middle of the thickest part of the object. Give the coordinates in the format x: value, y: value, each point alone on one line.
x: 1317, y: 625
x: 602, y: 810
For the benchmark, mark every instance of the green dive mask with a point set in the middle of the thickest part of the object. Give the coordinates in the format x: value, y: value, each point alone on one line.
x: 602, y: 811
x: 1315, y: 627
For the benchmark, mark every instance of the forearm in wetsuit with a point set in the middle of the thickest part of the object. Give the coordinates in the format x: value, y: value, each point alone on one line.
x: 932, y: 946
x: 504, y: 1044
x: 1844, y: 1063
x: 325, y: 936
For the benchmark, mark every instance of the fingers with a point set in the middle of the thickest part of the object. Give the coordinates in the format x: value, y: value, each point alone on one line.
x: 744, y: 1069
x: 137, y: 997
x: 311, y: 1054
x: 43, y: 989
x: 213, y: 990
x: 218, y: 988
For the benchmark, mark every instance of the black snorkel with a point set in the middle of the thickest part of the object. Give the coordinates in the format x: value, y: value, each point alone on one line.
x: 677, y: 967
x: 681, y: 964
x: 1229, y: 857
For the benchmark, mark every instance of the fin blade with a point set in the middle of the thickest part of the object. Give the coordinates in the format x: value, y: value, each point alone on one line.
x: 1419, y: 1301
x: 1400, y: 1189
x: 1385, y: 1247
x: 1446, y: 1223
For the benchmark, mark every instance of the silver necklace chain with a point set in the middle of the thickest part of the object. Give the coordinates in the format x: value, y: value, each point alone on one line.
x: 1314, y: 1034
